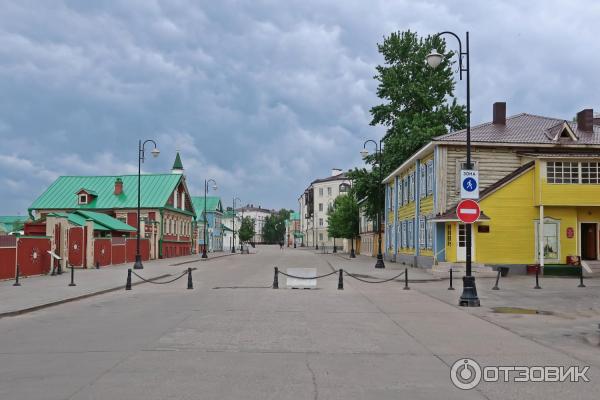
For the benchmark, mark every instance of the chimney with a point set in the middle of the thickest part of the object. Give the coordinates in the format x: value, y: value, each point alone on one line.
x: 118, y: 186
x: 499, y: 113
x: 585, y: 120
x: 597, y: 119
x: 335, y: 171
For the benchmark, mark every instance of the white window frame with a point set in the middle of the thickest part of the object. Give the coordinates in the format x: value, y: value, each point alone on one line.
x: 320, y: 221
x: 410, y: 233
x: 83, y: 199
x: 430, y: 228
x: 536, y: 225
x: 320, y: 207
x: 404, y: 234
x: 422, y: 232
x: 404, y: 190
x: 328, y: 190
x: 562, y: 172
x: 429, y: 177
x: 423, y: 180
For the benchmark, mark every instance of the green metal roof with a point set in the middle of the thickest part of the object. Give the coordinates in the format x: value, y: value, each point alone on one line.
x: 177, y: 164
x: 155, y: 191
x: 213, y: 204
x: 7, y: 222
x: 228, y: 214
x: 294, y: 215
x: 102, y: 222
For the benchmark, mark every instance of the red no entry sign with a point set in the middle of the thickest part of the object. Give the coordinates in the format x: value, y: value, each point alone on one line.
x: 468, y: 211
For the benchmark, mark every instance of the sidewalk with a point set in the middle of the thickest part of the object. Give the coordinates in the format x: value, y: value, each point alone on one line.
x: 44, y: 291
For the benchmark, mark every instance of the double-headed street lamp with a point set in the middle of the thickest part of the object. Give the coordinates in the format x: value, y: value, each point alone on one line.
x: 233, y: 222
x: 214, y: 187
x: 469, y: 295
x: 155, y: 152
x: 379, y: 162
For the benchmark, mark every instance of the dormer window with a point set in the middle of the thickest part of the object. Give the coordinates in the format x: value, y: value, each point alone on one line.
x: 83, y: 199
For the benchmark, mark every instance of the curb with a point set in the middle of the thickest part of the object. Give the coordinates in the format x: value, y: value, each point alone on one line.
x: 81, y: 297
x: 204, y: 259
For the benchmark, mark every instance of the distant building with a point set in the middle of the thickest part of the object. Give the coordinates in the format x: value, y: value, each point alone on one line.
x: 229, y: 236
x: 12, y: 223
x: 292, y: 229
x: 259, y: 215
x: 214, y: 229
x: 315, y: 203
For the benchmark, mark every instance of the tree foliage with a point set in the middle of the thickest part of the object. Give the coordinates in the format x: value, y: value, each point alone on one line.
x: 342, y: 220
x: 418, y: 104
x: 246, y: 231
x: 273, y: 230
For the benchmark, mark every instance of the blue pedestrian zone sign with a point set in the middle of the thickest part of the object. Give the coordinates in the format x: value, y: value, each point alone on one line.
x: 469, y: 184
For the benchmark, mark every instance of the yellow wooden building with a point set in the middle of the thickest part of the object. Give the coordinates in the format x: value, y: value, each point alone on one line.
x: 531, y: 168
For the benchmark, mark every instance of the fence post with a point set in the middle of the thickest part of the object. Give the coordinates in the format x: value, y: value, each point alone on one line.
x: 17, y: 277
x: 72, y: 276
x: 341, y: 280
x: 406, y: 279
x: 497, y: 279
x: 581, y: 277
x: 128, y: 284
x: 190, y: 283
x: 451, y: 287
x: 537, y: 278
x: 276, y: 279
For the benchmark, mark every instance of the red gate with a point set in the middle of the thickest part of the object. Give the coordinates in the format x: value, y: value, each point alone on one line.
x: 8, y: 256
x: 102, y: 252
x: 76, y: 247
x: 32, y: 256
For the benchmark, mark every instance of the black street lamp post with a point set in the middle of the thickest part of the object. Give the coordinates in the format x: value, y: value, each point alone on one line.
x: 155, y: 152
x: 233, y: 222
x: 469, y: 296
x: 206, y: 182
x: 378, y: 160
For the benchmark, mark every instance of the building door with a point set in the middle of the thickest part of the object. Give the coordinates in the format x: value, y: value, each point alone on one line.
x: 589, y: 241
x: 461, y: 243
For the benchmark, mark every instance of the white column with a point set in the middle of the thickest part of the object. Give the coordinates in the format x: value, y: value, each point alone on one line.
x: 541, y: 237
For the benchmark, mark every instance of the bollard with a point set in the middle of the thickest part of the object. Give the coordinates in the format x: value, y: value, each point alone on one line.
x: 581, y: 278
x: 17, y: 277
x: 497, y: 279
x: 128, y: 284
x: 341, y: 280
x: 53, y: 273
x: 537, y: 278
x: 406, y: 279
x: 190, y: 283
x: 59, y: 270
x: 97, y: 264
x: 276, y: 279
x: 451, y: 287
x: 72, y: 277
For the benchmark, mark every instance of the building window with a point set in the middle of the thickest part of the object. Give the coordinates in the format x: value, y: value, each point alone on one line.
x: 344, y: 187
x: 390, y: 198
x: 429, y: 177
x: 422, y: 232
x: 405, y: 190
x: 321, y: 192
x: 562, y: 172
x: 411, y: 189
x: 550, y: 240
x: 589, y: 172
x: 320, y: 206
x: 422, y: 181
x: 320, y: 221
x: 83, y: 199
x: 320, y: 236
x: 404, y: 234
x: 399, y: 234
x: 430, y: 232
x: 410, y: 234
x: 328, y: 191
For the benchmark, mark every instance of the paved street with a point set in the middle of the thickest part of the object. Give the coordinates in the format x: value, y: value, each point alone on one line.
x: 233, y: 337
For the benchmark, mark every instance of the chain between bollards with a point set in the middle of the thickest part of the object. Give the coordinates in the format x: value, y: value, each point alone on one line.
x: 497, y: 279
x: 450, y: 287
x: 581, y: 277
x: 406, y: 279
x: 128, y: 284
x: 17, y: 276
x: 190, y: 284
x: 341, y: 280
x: 72, y: 276
x: 537, y: 278
x: 276, y: 279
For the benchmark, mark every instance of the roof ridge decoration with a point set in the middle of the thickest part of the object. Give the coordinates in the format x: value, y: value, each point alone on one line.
x: 177, y: 165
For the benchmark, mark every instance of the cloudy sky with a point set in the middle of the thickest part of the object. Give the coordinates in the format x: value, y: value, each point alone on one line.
x: 262, y: 96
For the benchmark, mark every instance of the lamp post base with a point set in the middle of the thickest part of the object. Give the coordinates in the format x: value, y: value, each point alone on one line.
x: 233, y: 249
x: 379, y: 263
x: 204, y: 255
x: 138, y: 262
x: 469, y: 297
x: 352, y: 254
x: 335, y: 249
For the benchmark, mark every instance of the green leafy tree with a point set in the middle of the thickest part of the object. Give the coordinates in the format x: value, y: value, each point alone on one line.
x: 418, y: 104
x: 342, y: 219
x: 273, y: 230
x: 246, y: 231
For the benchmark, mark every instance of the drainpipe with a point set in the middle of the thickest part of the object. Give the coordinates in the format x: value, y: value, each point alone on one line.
x: 162, y: 224
x: 416, y: 226
x: 541, y: 224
